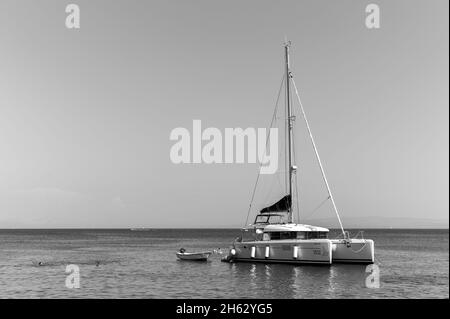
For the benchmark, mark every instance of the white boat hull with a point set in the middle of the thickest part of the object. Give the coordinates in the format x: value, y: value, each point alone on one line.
x: 203, y: 256
x: 316, y: 251
x: 353, y: 251
x: 312, y: 251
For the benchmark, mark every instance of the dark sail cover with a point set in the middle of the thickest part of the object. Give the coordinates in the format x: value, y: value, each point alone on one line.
x: 282, y: 205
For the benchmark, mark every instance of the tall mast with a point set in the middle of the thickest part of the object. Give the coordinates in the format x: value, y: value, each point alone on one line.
x: 289, y: 124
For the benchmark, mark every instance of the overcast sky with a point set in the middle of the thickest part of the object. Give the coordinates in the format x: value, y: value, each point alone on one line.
x: 85, y: 115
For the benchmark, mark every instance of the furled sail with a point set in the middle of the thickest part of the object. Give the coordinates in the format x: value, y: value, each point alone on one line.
x: 283, y: 205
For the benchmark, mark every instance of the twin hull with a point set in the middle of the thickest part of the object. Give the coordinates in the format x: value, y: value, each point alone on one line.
x: 312, y: 251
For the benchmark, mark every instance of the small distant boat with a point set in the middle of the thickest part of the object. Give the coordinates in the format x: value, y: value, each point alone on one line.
x: 200, y: 256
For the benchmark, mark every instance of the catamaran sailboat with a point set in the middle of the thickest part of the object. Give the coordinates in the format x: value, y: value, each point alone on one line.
x: 274, y: 237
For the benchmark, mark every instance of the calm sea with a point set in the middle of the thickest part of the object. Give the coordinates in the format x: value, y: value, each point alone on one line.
x: 142, y: 264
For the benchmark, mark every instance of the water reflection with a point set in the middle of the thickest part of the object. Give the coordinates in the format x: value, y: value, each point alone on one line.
x: 332, y: 280
x: 253, y: 277
x: 298, y: 281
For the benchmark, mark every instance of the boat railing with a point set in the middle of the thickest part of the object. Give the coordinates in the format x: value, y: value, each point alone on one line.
x: 361, y: 232
x: 347, y: 235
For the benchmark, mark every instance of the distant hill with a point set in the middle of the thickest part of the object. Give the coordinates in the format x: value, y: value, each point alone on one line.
x: 380, y: 222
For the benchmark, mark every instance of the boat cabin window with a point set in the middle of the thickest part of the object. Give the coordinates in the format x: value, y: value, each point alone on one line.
x: 294, y: 235
x: 301, y: 235
x: 283, y: 235
x: 258, y: 235
x: 312, y: 235
x: 270, y: 219
x: 262, y: 219
x: 317, y: 234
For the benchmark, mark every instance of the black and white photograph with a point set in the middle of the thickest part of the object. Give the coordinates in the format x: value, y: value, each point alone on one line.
x: 248, y: 151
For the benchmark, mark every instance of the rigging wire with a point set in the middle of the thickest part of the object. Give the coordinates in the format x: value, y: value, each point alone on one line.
x: 317, y: 208
x: 318, y: 157
x: 267, y: 141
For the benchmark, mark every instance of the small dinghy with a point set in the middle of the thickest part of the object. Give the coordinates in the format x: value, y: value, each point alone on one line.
x: 200, y: 256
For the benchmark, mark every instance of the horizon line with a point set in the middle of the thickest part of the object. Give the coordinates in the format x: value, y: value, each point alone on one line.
x: 194, y: 228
